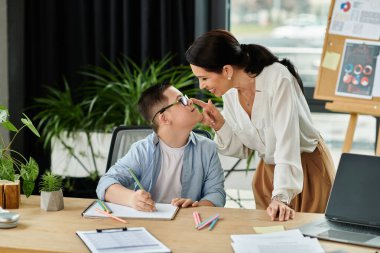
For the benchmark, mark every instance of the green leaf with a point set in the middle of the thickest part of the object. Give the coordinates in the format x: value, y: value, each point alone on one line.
x: 29, y: 171
x: 50, y: 182
x: 3, y: 114
x: 27, y: 122
x: 27, y: 187
x: 8, y: 125
x: 6, y: 168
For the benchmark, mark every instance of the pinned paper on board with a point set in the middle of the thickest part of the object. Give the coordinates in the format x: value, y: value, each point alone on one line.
x: 357, y: 72
x: 331, y: 60
x: 359, y: 18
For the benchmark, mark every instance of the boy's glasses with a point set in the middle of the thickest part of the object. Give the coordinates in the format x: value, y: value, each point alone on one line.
x: 184, y: 100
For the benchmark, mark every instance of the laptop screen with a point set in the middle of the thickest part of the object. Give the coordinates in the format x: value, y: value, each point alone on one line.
x: 355, y: 196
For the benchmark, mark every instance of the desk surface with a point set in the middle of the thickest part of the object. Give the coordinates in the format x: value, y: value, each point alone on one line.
x: 40, y: 231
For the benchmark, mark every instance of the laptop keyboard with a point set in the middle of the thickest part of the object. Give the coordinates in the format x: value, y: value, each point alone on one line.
x: 351, y: 228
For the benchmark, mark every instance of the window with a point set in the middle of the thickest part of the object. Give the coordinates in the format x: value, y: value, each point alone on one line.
x: 292, y: 29
x: 295, y: 29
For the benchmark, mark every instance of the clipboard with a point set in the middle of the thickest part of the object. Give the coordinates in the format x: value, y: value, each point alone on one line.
x: 164, y: 211
x: 125, y: 239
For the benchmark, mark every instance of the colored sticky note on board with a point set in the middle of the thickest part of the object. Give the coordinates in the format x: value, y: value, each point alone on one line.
x: 331, y: 60
x: 270, y: 229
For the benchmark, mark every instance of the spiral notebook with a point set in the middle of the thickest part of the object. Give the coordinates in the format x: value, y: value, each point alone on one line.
x: 164, y: 211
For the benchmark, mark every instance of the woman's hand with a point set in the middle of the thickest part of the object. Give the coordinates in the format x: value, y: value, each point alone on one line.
x: 277, y: 209
x: 211, y: 115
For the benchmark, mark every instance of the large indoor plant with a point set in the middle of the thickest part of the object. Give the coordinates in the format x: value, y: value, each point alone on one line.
x: 13, y: 165
x: 107, y: 99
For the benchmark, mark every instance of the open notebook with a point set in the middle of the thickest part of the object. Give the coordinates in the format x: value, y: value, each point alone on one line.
x: 164, y: 212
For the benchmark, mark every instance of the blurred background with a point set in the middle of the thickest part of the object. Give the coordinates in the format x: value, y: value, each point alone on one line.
x: 46, y: 43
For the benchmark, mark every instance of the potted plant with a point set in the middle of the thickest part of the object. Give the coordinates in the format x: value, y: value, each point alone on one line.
x: 51, y: 192
x: 14, y: 166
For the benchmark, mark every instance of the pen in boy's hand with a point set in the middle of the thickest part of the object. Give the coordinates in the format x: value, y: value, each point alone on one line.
x: 135, y: 178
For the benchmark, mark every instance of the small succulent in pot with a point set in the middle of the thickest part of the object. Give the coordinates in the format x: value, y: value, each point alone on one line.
x: 51, y: 192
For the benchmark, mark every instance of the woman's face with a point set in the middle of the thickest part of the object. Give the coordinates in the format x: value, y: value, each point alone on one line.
x: 216, y: 83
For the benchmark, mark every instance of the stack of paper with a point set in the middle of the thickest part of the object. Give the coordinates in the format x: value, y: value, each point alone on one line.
x: 291, y: 241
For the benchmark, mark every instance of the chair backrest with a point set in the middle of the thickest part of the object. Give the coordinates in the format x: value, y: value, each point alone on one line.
x: 123, y: 137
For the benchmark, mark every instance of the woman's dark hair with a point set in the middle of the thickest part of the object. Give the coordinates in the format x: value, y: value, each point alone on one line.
x: 218, y: 48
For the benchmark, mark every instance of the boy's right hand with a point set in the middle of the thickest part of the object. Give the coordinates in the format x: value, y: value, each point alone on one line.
x: 142, y: 201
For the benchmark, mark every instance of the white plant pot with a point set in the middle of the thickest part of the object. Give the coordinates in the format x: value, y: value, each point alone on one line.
x: 63, y: 163
x: 52, y: 201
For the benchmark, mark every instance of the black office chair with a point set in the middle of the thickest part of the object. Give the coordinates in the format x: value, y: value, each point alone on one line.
x: 123, y: 137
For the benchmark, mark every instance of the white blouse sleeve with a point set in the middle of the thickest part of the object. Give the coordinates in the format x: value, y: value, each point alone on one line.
x: 288, y: 173
x: 226, y: 140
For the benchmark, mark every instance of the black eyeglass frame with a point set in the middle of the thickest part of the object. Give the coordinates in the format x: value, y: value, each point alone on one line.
x: 184, y: 100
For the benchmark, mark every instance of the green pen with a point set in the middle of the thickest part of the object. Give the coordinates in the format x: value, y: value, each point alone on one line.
x: 135, y: 178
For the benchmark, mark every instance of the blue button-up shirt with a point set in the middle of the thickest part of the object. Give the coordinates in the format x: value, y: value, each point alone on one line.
x: 202, y: 175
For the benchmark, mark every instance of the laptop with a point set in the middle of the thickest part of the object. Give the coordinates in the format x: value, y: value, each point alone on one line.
x: 353, y: 210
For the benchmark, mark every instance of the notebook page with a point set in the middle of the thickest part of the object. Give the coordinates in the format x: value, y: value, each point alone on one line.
x: 164, y: 211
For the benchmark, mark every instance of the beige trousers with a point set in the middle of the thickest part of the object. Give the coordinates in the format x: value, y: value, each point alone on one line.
x: 318, y: 177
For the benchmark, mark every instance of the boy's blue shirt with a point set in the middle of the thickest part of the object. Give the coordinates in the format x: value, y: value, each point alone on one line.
x: 202, y: 175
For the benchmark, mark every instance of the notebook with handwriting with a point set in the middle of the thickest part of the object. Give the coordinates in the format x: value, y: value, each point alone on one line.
x: 164, y: 211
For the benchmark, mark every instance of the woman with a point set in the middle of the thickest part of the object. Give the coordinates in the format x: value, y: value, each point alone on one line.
x: 264, y: 110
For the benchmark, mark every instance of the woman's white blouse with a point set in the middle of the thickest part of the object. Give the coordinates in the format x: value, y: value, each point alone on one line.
x: 280, y: 127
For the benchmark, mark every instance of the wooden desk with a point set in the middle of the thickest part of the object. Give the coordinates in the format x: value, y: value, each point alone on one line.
x: 40, y: 231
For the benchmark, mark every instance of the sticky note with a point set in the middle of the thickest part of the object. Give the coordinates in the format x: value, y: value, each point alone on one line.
x: 331, y: 60
x: 270, y: 229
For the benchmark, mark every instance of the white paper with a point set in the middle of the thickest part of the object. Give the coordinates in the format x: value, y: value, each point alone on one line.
x: 358, y: 18
x: 164, y: 211
x: 376, y: 82
x: 358, y: 67
x: 131, y: 240
x: 291, y: 241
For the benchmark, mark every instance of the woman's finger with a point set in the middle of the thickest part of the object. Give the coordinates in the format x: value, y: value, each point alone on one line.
x: 287, y: 213
x: 207, y: 119
x: 292, y: 214
x: 199, y: 102
x: 281, y: 214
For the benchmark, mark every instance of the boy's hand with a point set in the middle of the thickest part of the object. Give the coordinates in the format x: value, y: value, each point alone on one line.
x: 181, y: 202
x: 142, y: 201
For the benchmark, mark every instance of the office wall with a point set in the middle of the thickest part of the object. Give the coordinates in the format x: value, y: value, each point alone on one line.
x: 3, y: 61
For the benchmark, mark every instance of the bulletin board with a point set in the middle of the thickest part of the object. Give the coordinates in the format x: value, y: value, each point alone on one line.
x: 326, y: 86
x: 351, y: 21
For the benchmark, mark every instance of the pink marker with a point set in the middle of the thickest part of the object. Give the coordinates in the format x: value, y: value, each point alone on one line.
x: 195, y: 215
x: 207, y: 221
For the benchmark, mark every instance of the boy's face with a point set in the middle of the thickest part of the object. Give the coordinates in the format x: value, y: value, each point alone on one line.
x: 181, y: 116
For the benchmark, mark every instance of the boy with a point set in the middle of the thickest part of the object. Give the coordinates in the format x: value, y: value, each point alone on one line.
x: 173, y: 164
